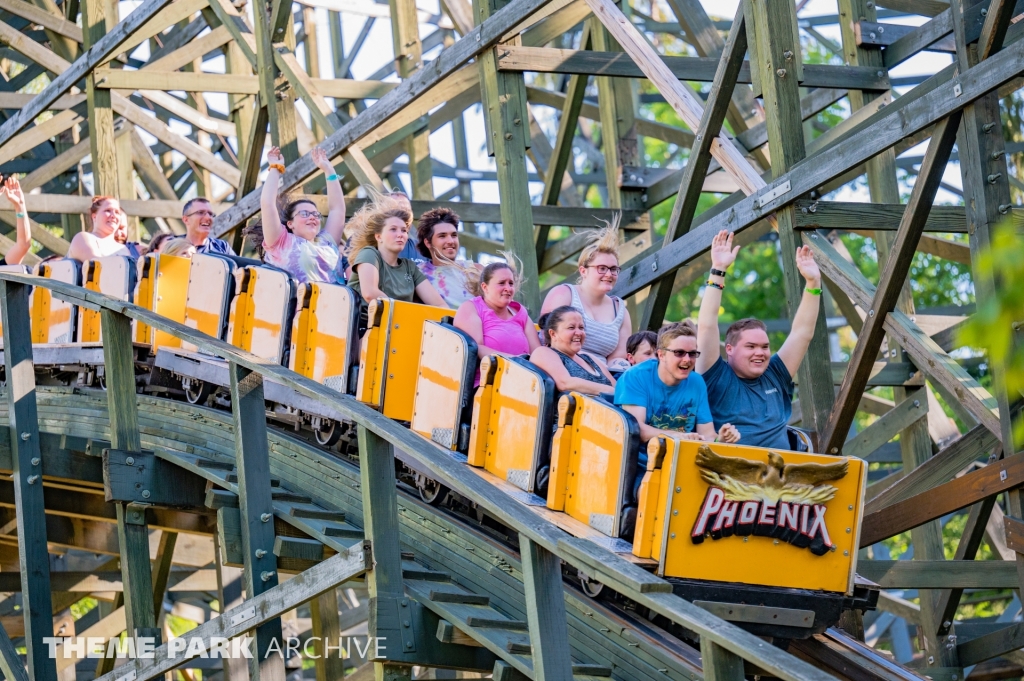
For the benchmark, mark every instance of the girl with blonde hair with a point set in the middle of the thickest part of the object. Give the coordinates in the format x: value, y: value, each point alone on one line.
x: 380, y: 232
x: 605, y: 316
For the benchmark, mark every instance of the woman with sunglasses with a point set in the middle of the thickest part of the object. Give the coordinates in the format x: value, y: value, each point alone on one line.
x: 608, y: 325
x: 563, y: 358
x: 293, y: 238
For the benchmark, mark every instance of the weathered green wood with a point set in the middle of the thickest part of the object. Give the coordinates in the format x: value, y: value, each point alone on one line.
x: 692, y: 183
x: 506, y: 121
x: 10, y: 661
x: 148, y: 480
x: 162, y: 568
x: 545, y: 613
x: 229, y: 595
x: 268, y: 606
x: 119, y: 360
x: 891, y: 281
x: 974, y: 444
x: 991, y: 645
x: 26, y: 458
x: 774, y: 40
x: 256, y: 511
x: 830, y: 215
x: 947, y: 602
x: 885, y: 428
x: 893, y: 123
x: 133, y: 538
x: 940, y: 574
x: 718, y: 663
x: 389, y: 607
x: 327, y: 627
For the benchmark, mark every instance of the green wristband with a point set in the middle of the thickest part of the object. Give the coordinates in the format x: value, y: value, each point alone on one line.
x: 21, y: 215
x: 813, y: 291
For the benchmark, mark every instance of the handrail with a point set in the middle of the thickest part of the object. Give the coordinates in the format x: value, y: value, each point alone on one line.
x: 621, y: 575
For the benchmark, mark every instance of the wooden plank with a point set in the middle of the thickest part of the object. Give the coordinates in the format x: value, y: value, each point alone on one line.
x: 545, y: 612
x: 36, y: 15
x: 252, y: 460
x: 152, y: 79
x: 850, y: 216
x: 692, y: 182
x: 482, y: 38
x: 948, y: 601
x: 952, y: 496
x: 905, y: 116
x: 39, y: 134
x: 595, y: 63
x: 885, y: 428
x: 97, y: 54
x: 717, y: 663
x: 10, y: 661
x: 940, y: 574
x: 33, y: 561
x: 269, y: 606
x: 946, y: 372
x: 991, y: 645
x: 1014, y: 529
x: 973, y: 445
x: 894, y: 272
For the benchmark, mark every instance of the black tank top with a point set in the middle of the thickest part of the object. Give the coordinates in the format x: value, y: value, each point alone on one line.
x: 576, y: 371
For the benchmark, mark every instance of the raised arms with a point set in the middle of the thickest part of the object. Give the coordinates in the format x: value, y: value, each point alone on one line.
x: 723, y: 254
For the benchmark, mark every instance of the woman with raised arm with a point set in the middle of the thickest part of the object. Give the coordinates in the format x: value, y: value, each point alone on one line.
x: 563, y: 357
x: 293, y: 238
x: 378, y: 270
x: 605, y: 315
x: 101, y: 242
x: 12, y: 190
x: 492, y: 318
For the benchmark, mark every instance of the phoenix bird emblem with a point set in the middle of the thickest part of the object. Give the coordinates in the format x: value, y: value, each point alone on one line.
x: 775, y: 481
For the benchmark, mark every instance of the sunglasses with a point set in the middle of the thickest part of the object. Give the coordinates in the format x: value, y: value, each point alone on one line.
x: 680, y: 354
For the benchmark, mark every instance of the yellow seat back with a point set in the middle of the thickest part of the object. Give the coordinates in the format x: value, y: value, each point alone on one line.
x: 169, y: 295
x: 210, y: 288
x: 757, y: 516
x: 53, y: 320
x: 113, y: 276
x: 444, y: 383
x: 145, y: 288
x: 390, y: 353
x: 273, y: 301
x: 595, y: 463
x: 513, y: 417
x: 324, y: 334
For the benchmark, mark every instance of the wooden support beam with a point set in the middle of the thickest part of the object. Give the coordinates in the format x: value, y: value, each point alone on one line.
x: 885, y: 428
x: 717, y: 663
x: 991, y: 645
x: 893, y: 275
x: 545, y: 613
x: 408, y: 50
x: 946, y: 373
x: 252, y: 458
x: 96, y: 54
x: 507, y: 130
x: 692, y: 183
x: 327, y: 628
x: 948, y: 601
x: 34, y: 563
x: 940, y: 574
x: 954, y: 495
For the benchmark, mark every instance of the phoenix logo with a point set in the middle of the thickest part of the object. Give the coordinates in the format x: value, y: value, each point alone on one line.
x: 773, y: 499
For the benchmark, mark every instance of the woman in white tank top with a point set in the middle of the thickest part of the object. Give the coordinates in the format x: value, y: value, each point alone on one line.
x: 607, y: 321
x: 101, y: 241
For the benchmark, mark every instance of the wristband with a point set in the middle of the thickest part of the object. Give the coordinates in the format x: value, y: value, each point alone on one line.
x: 333, y: 177
x: 276, y: 166
x: 717, y: 273
x: 813, y: 291
x: 21, y: 215
x: 713, y: 284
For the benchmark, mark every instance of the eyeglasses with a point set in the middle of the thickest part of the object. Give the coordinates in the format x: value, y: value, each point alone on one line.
x: 605, y: 269
x: 307, y: 214
x: 203, y: 214
x: 693, y: 354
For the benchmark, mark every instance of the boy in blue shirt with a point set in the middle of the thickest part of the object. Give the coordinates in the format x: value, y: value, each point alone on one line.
x: 666, y: 396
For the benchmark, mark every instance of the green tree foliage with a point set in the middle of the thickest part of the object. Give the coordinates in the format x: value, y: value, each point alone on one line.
x: 998, y: 322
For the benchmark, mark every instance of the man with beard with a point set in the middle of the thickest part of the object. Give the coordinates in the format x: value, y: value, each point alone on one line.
x: 753, y: 389
x: 198, y: 217
x: 437, y: 240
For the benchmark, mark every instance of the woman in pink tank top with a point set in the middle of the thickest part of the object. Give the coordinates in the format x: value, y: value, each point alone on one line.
x: 497, y: 323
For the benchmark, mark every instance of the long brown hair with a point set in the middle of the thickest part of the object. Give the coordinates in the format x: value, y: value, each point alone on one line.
x: 369, y: 221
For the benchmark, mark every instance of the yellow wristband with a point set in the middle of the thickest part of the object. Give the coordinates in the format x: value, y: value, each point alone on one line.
x: 277, y: 166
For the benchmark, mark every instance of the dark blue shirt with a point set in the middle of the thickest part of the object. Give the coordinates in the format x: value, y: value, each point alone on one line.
x: 410, y: 251
x: 759, y: 408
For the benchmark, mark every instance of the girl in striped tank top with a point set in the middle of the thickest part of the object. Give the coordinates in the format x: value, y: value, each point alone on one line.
x: 606, y: 318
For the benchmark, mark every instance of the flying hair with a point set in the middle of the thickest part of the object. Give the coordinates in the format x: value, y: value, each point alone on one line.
x: 369, y: 220
x: 604, y: 240
x: 475, y: 277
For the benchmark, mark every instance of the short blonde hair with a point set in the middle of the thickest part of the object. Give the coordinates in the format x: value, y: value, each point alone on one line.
x: 604, y: 240
x: 673, y: 331
x: 180, y: 247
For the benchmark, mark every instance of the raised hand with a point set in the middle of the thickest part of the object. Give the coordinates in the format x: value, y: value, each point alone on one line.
x: 723, y: 253
x: 321, y: 161
x: 12, y: 188
x: 275, y: 155
x: 808, y: 267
